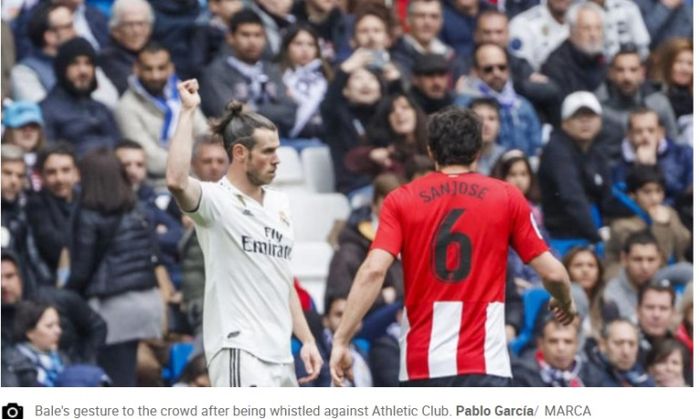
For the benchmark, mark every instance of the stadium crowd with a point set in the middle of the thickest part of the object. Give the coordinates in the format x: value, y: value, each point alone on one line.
x: 586, y: 107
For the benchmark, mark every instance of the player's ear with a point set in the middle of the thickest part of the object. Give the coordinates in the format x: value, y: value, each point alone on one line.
x: 239, y: 152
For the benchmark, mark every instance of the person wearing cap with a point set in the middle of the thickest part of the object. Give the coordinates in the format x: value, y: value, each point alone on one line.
x: 520, y: 125
x: 51, y: 24
x: 24, y: 128
x: 626, y: 89
x: 574, y: 176
x: 424, y: 24
x: 70, y: 113
x: 578, y: 63
x: 430, y: 84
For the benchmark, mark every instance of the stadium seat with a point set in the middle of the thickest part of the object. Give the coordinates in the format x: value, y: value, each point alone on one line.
x: 289, y: 170
x: 532, y: 303
x: 318, y: 169
x: 179, y: 355
x: 310, y: 262
x: 313, y: 215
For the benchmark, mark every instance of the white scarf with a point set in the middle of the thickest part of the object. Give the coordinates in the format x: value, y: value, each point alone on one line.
x: 256, y: 78
x: 307, y: 86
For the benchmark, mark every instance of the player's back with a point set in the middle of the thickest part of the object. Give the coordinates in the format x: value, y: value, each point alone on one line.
x: 454, y: 236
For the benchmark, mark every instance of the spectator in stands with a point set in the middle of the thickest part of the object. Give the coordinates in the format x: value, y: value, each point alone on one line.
x: 277, y: 19
x: 330, y: 24
x: 491, y: 151
x: 514, y: 167
x: 574, y: 178
x: 396, y: 134
x: 492, y: 28
x: 586, y: 269
x: 578, y: 62
x: 148, y: 111
x: 616, y: 356
x: 16, y: 230
x: 176, y: 26
x: 50, y: 210
x: 130, y: 27
x: 373, y: 31
x: 538, y: 31
x: 36, y: 355
x: 459, y: 21
x: 51, y: 25
x: 214, y: 31
x: 424, y: 24
x: 555, y: 362
x: 242, y: 74
x: 9, y: 57
x: 626, y: 89
x: 348, y: 108
x: 645, y: 185
x: 684, y: 332
x: 624, y: 26
x: 209, y: 164
x: 666, y: 363
x: 84, y: 330
x: 385, y: 355
x: 305, y: 74
x: 641, y: 259
x: 353, y: 245
x: 666, y: 19
x: 655, y: 313
x: 69, y: 111
x: 113, y: 260
x: 647, y: 143
x: 674, y: 70
x: 520, y: 126
x: 24, y: 128
x: 430, y: 84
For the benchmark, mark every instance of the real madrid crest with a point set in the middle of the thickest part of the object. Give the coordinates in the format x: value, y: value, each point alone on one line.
x: 284, y: 219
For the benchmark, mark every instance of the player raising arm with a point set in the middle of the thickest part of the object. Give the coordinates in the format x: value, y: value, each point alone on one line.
x: 250, y: 306
x: 452, y: 229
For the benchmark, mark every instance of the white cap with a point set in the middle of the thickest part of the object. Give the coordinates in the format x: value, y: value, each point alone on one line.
x: 578, y: 100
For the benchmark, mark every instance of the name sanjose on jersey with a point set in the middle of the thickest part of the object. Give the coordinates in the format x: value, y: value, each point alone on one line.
x: 453, y: 187
x: 267, y: 247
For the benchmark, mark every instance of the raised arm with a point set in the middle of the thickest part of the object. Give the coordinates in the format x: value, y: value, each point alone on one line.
x: 186, y: 190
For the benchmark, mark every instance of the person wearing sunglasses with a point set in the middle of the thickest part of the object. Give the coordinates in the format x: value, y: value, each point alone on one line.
x: 520, y: 126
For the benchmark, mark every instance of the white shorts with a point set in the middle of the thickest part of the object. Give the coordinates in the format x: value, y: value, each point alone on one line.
x: 233, y: 367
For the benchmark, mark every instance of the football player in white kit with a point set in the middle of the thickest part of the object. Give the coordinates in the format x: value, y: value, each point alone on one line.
x: 250, y: 306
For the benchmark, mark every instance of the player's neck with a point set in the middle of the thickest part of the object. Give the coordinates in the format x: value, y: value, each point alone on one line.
x: 455, y: 169
x: 242, y: 183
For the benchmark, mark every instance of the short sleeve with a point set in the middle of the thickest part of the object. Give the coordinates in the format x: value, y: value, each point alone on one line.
x: 389, y: 236
x: 206, y: 210
x: 525, y: 237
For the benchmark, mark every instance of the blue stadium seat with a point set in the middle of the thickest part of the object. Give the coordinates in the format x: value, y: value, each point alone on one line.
x: 179, y: 355
x: 533, y: 299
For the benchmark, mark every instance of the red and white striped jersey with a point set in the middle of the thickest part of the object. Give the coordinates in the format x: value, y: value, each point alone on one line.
x: 453, y: 234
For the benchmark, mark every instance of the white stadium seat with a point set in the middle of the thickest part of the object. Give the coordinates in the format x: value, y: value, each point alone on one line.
x: 313, y: 215
x: 289, y: 172
x: 318, y: 169
x: 310, y: 263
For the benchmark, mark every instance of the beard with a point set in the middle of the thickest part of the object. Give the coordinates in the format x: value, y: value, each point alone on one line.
x: 256, y: 178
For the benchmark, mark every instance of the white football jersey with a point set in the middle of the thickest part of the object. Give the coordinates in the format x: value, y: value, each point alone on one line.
x: 247, y: 251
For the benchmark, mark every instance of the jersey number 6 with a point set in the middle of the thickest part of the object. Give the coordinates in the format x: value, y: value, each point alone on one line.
x: 441, y: 243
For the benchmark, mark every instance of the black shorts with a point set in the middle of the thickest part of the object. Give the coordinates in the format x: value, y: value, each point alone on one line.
x: 466, y: 380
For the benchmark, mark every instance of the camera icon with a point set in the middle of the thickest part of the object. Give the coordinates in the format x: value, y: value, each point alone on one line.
x: 12, y: 411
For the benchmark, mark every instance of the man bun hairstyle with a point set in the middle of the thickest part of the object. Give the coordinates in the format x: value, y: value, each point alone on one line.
x: 454, y: 136
x: 236, y: 126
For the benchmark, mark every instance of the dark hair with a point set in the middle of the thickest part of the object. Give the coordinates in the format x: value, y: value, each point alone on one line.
x: 244, y: 17
x: 485, y: 101
x: 290, y: 35
x: 153, y: 47
x: 605, y: 332
x: 105, y: 186
x: 642, y: 110
x: 376, y: 9
x: 663, y: 349
x: 642, y: 237
x: 381, y: 132
x: 384, y: 184
x: 330, y: 299
x: 418, y: 164
x: 642, y: 174
x: 489, y: 13
x: 627, y: 48
x: 194, y: 368
x: 236, y: 126
x: 663, y: 286
x: 478, y: 48
x: 454, y: 136
x: 27, y: 316
x: 61, y: 148
x: 569, y: 259
x: 39, y: 24
x: 128, y: 144
x: 550, y: 319
x: 506, y: 162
